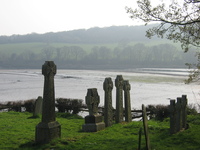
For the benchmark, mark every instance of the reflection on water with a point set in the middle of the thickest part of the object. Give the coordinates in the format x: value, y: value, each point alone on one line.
x: 148, y: 86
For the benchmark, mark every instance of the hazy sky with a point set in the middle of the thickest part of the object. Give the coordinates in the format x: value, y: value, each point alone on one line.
x: 41, y: 16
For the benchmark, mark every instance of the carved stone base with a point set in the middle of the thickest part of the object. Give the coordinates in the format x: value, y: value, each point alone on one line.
x: 93, y: 123
x: 93, y: 127
x: 45, y: 132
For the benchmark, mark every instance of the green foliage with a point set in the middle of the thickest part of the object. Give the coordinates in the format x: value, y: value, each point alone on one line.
x: 69, y: 105
x: 29, y: 105
x: 105, y: 48
x: 79, y: 56
x: 18, y: 106
x: 18, y: 132
x: 158, y: 112
x: 179, y: 22
x: 161, y: 112
x: 192, y: 109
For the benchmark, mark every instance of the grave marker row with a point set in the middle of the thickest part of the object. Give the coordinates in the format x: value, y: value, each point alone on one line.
x: 178, y: 114
x: 120, y: 85
x: 93, y: 122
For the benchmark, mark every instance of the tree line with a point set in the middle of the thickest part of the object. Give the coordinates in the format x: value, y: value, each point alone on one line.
x: 100, y: 57
x: 95, y: 35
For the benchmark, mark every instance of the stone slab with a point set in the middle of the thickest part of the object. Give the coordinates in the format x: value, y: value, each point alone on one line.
x: 45, y: 132
x: 93, y: 127
x: 93, y: 119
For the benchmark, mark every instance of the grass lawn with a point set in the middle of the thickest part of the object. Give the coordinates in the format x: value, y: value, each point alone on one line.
x: 17, y: 131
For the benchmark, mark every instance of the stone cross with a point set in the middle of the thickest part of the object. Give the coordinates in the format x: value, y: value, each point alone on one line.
x: 38, y: 106
x: 119, y: 99
x: 108, y: 109
x: 184, y: 111
x: 48, y: 128
x: 93, y: 122
x: 48, y: 111
x: 172, y: 110
x: 145, y: 124
x: 92, y: 101
x: 179, y: 114
x: 127, y: 88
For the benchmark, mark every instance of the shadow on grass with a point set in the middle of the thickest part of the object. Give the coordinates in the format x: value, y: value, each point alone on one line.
x: 68, y: 116
x: 34, y: 117
x: 32, y: 145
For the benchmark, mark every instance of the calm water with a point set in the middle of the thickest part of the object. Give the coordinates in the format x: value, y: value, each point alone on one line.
x: 148, y: 86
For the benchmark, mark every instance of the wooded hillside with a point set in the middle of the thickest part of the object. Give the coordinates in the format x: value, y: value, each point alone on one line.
x: 116, y: 47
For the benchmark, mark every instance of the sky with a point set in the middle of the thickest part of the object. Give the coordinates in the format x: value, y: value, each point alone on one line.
x: 42, y: 16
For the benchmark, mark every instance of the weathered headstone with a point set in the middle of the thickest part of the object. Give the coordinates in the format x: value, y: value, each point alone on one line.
x: 38, y: 106
x: 127, y: 101
x: 172, y: 110
x: 93, y: 122
x: 119, y: 99
x: 178, y: 114
x: 48, y: 128
x: 145, y: 124
x: 108, y: 109
x: 184, y: 111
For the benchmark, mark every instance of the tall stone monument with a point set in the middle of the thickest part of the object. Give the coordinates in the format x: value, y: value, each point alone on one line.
x: 48, y: 128
x: 127, y: 101
x: 108, y: 109
x: 172, y: 110
x: 184, y: 111
x: 178, y: 114
x: 119, y: 99
x: 93, y: 122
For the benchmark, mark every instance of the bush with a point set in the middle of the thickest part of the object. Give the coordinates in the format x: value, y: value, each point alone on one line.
x: 192, y: 109
x: 15, y: 106
x: 69, y: 105
x: 19, y: 105
x: 29, y: 105
x: 158, y: 112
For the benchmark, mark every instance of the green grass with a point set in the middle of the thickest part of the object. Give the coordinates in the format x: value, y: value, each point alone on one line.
x: 17, y: 131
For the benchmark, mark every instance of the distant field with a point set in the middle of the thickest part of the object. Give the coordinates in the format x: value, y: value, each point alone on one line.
x: 19, y: 48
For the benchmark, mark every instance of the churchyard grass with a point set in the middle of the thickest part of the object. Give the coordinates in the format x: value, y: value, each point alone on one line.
x: 17, y: 131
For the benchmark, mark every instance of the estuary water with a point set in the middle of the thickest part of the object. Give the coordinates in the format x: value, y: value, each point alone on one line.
x: 148, y: 86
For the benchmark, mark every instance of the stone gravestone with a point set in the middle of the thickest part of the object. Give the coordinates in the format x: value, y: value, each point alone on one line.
x: 172, y: 111
x: 146, y: 132
x: 127, y: 88
x: 108, y: 109
x: 38, y: 106
x: 48, y: 128
x: 184, y: 111
x: 119, y: 99
x: 178, y: 114
x: 93, y: 122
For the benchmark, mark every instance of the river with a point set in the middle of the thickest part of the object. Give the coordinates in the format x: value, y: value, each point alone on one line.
x: 148, y: 86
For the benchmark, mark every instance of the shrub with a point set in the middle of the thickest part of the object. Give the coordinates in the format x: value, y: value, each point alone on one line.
x: 15, y: 106
x: 158, y: 112
x: 69, y: 105
x: 192, y: 109
x: 29, y: 105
